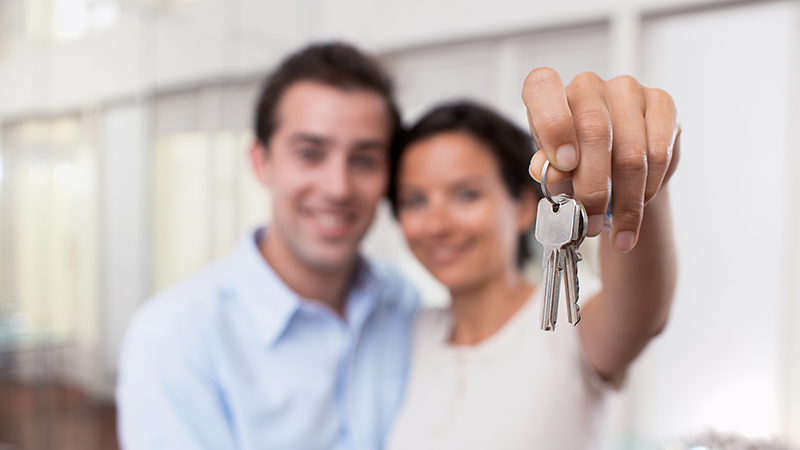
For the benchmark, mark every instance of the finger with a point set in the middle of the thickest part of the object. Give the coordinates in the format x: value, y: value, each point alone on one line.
x: 550, y: 117
x: 676, y: 154
x: 661, y: 118
x: 533, y: 132
x: 592, y: 178
x: 554, y: 176
x: 629, y: 161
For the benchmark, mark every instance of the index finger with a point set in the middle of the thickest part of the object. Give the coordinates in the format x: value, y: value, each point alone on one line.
x: 550, y: 117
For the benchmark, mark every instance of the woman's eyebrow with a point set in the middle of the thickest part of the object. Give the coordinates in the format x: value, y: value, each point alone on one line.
x: 470, y: 180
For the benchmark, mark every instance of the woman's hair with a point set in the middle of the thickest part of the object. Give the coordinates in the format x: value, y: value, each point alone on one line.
x: 511, y: 146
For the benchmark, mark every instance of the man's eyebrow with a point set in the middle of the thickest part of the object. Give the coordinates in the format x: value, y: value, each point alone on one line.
x: 309, y: 139
x: 370, y: 144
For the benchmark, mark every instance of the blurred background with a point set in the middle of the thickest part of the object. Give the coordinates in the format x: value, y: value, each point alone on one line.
x: 124, y: 127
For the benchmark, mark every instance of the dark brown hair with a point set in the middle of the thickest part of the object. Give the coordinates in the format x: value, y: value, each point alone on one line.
x: 511, y: 146
x: 335, y: 64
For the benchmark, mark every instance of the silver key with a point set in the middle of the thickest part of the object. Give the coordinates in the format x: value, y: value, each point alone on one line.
x: 571, y: 258
x: 555, y: 229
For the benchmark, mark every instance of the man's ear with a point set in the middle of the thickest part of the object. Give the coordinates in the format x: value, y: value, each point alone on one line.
x: 528, y: 205
x: 261, y: 161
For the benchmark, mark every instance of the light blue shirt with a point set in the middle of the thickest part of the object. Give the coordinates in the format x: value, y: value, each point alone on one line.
x: 231, y: 358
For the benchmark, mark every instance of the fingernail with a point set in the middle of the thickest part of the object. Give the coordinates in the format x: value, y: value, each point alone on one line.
x: 595, y: 225
x: 531, y: 172
x: 566, y: 157
x: 624, y: 241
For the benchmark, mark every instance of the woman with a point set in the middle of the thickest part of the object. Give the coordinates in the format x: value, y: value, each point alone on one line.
x: 483, y: 375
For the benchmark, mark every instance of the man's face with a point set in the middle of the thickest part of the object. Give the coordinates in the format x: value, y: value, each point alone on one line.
x: 327, y: 166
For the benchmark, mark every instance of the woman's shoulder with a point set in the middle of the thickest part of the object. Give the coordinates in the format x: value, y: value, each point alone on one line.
x: 432, y: 324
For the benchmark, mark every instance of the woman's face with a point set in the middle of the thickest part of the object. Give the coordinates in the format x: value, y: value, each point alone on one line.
x: 456, y: 213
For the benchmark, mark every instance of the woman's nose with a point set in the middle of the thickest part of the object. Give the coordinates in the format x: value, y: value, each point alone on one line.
x: 438, y: 220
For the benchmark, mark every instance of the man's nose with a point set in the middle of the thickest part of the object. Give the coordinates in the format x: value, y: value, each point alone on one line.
x: 337, y: 181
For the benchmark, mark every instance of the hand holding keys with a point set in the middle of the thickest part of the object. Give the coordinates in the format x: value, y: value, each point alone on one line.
x: 561, y: 224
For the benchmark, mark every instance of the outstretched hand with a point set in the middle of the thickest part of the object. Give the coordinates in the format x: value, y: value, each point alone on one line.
x: 602, y: 133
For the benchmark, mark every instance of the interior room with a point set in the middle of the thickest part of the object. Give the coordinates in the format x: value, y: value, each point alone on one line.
x: 125, y: 127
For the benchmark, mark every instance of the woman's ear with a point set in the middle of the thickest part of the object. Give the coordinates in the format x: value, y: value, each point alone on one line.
x: 528, y: 205
x: 261, y: 162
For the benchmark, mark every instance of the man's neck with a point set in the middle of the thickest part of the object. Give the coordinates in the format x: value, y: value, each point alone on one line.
x: 329, y: 287
x: 481, y: 311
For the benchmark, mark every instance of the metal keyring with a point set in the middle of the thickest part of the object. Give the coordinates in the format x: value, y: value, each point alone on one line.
x: 546, y: 191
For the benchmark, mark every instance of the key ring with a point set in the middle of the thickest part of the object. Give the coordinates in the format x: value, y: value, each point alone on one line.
x: 546, y: 191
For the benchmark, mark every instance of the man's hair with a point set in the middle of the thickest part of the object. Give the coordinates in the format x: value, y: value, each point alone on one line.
x: 334, y: 64
x: 511, y: 147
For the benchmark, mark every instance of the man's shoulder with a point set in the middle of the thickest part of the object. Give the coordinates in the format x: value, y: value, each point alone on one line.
x: 182, y: 308
x: 393, y: 287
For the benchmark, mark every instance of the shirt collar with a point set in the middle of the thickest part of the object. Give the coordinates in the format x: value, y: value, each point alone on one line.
x: 272, y: 304
x: 267, y: 299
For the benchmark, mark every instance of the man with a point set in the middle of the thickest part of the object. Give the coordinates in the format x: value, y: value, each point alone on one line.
x: 292, y: 341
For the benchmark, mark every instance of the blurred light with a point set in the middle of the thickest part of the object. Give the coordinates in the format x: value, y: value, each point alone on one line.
x: 39, y: 173
x: 65, y: 175
x: 20, y: 323
x: 1, y: 169
x: 104, y: 15
x: 71, y: 19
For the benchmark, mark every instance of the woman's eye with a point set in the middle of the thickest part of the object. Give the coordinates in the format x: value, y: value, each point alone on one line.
x: 468, y: 195
x: 412, y: 201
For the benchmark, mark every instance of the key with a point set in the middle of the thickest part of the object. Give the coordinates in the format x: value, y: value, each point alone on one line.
x: 555, y: 228
x: 570, y: 264
x: 571, y: 258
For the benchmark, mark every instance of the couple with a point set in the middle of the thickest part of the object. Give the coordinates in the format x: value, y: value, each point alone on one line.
x: 294, y: 341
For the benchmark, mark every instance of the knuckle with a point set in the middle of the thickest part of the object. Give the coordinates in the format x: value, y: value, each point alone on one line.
x: 586, y: 78
x: 631, y: 161
x: 627, y: 83
x: 593, y: 126
x: 661, y: 96
x: 553, y: 123
x: 659, y: 157
x: 628, y: 217
x: 595, y: 199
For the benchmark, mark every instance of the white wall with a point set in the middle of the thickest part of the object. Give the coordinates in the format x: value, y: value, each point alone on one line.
x: 125, y: 225
x: 386, y: 25
x: 723, y: 360
x: 152, y: 47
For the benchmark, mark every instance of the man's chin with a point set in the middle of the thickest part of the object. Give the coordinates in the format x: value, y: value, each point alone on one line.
x: 332, y: 260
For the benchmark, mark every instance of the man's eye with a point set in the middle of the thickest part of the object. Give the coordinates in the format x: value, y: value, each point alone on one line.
x: 365, y: 161
x: 310, y: 153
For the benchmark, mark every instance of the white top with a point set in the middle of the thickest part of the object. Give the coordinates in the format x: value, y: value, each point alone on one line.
x: 523, y: 388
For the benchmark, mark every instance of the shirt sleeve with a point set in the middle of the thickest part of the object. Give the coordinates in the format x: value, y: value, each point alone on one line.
x: 167, y: 396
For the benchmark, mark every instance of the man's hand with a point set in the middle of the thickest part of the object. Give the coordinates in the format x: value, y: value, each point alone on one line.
x: 600, y: 133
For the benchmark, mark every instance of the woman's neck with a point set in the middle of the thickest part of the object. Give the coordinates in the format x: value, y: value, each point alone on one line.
x: 481, y: 311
